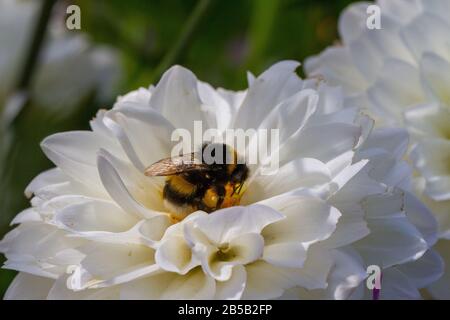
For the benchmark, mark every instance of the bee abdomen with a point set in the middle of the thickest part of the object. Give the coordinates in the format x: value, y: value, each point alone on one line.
x: 180, y: 198
x: 181, y: 186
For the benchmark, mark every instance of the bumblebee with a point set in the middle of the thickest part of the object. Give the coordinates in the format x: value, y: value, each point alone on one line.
x: 195, y: 184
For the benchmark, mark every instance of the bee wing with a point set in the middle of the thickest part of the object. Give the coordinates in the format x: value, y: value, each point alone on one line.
x: 175, y: 165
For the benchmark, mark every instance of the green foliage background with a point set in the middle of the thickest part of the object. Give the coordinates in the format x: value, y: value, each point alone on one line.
x: 223, y: 40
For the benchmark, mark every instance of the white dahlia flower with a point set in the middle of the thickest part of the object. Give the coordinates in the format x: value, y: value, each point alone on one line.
x: 401, y: 74
x: 98, y: 228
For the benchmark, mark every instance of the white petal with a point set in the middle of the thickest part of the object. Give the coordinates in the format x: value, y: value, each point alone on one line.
x: 137, y: 98
x: 377, y: 47
x: 346, y: 275
x: 264, y: 94
x: 428, y: 119
x: 143, y: 133
x: 98, y: 126
x: 153, y: 229
x: 397, y: 286
x: 392, y: 140
x: 147, y: 232
x: 118, y: 191
x: 67, y: 188
x: 265, y: 281
x: 145, y: 190
x: 331, y: 108
x: 108, y: 264
x: 438, y: 7
x: 440, y: 212
x: 297, y: 174
x: 352, y: 21
x: 331, y: 102
x: 174, y: 254
x: 52, y: 176
x: 360, y: 186
x: 348, y: 173
x: 28, y: 287
x: 170, y: 286
x: 234, y: 287
x: 308, y: 220
x: 418, y: 39
x: 336, y: 65
x: 247, y: 248
x: 95, y: 216
x: 391, y: 95
x: 224, y: 225
x: 384, y: 206
x: 340, y: 163
x: 286, y: 254
x: 431, y: 159
x: 361, y: 49
x: 309, y: 143
x: 27, y: 215
x: 48, y: 208
x: 195, y: 285
x: 403, y: 10
x: 441, y: 288
x: 425, y: 270
x: 350, y: 228
x: 176, y: 97
x: 436, y: 72
x: 391, y: 241
x: 150, y: 288
x: 242, y: 250
x: 421, y: 217
x: 60, y: 291
x: 292, y: 114
x: 75, y: 153
x: 219, y: 111
x: 386, y: 169
x: 34, y: 248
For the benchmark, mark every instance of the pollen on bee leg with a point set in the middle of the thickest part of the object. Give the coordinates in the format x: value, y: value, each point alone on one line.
x: 232, y: 198
x: 211, y: 198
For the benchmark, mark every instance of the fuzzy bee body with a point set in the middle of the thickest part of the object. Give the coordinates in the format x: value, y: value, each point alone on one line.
x: 192, y: 186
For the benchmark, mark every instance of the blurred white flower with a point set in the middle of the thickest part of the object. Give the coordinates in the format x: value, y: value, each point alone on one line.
x: 70, y: 69
x: 98, y: 227
x: 401, y: 74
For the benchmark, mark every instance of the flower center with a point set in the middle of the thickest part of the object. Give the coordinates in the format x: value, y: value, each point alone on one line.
x: 224, y: 253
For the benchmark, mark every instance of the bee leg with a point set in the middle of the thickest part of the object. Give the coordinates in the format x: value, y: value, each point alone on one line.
x: 221, y: 194
x: 240, y: 187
